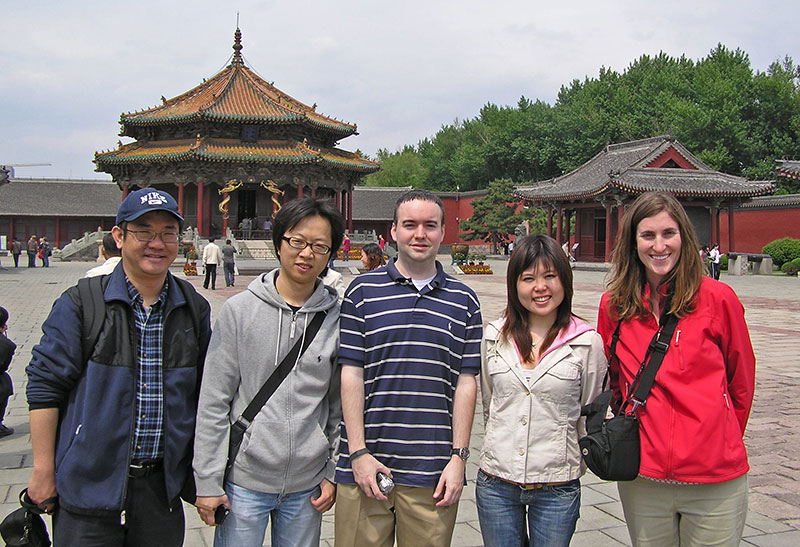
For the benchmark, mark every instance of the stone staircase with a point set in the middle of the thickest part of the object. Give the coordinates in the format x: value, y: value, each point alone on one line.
x: 86, y: 248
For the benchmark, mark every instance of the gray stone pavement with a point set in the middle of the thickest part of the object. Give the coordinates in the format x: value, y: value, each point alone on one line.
x: 772, y: 437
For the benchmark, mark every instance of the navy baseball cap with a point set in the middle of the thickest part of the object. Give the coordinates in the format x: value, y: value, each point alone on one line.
x: 145, y: 201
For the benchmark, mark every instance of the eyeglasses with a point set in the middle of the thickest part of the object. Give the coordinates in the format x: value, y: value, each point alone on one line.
x: 146, y: 236
x: 299, y: 243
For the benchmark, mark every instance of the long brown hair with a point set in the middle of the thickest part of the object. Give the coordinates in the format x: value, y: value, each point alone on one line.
x: 374, y: 254
x: 628, y: 275
x: 543, y: 252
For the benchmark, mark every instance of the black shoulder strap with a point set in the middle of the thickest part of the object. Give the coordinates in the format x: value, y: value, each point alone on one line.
x: 93, y: 310
x: 191, y: 296
x: 281, y: 372
x: 658, y: 347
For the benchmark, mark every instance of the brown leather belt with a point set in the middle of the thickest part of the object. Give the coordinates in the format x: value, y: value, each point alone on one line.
x: 527, y: 486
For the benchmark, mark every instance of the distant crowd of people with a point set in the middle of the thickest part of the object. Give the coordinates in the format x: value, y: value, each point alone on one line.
x: 308, y: 393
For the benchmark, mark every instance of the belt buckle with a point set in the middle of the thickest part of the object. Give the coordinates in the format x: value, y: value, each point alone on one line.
x: 534, y: 486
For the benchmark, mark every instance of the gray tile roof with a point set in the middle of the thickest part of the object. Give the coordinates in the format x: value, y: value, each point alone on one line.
x: 624, y: 166
x: 60, y: 198
x: 376, y: 203
x: 786, y: 201
x: 788, y: 168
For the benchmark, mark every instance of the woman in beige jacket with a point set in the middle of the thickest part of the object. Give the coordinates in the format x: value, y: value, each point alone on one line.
x: 540, y: 364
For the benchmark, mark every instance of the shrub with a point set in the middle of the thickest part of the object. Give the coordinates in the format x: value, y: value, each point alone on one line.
x: 791, y: 267
x: 723, y: 263
x: 782, y: 250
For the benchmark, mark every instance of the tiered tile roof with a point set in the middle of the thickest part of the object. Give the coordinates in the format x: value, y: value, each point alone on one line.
x: 634, y: 168
x: 291, y: 132
x: 237, y: 94
x: 236, y: 151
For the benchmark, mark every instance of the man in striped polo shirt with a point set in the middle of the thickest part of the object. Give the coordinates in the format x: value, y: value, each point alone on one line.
x: 410, y: 351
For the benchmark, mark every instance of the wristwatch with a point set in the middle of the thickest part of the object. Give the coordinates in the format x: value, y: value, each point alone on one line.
x: 462, y: 453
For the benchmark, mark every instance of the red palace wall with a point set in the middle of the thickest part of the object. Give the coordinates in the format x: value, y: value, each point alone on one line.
x: 754, y: 228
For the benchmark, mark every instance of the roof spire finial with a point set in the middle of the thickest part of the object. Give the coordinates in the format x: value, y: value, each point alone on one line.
x: 237, y: 43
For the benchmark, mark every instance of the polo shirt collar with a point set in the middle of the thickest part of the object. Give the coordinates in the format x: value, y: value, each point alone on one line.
x: 399, y: 279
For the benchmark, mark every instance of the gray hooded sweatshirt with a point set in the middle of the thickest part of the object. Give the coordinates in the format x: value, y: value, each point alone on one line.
x: 290, y: 445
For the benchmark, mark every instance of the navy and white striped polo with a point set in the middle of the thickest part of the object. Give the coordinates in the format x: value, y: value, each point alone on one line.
x: 412, y: 345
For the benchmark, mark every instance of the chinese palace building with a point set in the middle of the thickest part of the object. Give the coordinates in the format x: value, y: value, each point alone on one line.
x: 236, y: 147
x: 596, y: 194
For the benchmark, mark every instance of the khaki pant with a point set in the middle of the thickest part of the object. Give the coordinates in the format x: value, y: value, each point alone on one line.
x: 660, y: 514
x: 409, y: 513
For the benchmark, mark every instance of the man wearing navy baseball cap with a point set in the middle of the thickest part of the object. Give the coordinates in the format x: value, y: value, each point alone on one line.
x: 112, y: 420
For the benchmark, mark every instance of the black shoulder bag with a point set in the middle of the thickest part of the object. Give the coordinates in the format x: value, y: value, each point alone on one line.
x: 270, y: 386
x: 611, y: 446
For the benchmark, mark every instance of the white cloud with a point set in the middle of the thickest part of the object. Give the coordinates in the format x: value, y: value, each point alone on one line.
x: 399, y: 70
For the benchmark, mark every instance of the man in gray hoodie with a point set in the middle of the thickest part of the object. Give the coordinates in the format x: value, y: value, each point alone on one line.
x: 285, y: 466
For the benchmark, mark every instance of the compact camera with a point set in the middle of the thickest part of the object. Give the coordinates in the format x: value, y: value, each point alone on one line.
x: 385, y: 483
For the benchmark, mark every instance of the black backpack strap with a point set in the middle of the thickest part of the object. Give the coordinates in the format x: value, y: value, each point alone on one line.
x: 193, y: 299
x: 93, y: 311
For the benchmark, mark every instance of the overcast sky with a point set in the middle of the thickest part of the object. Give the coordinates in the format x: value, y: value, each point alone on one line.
x: 400, y: 70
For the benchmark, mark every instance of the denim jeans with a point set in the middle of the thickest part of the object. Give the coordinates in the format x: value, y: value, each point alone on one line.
x: 295, y: 522
x: 228, y: 267
x: 552, y: 512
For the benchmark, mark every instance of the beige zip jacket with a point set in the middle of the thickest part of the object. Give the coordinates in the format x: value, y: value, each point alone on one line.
x: 532, y: 430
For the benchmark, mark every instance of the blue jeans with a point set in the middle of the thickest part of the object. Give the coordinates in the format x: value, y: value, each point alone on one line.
x: 295, y: 522
x: 228, y: 267
x: 552, y: 512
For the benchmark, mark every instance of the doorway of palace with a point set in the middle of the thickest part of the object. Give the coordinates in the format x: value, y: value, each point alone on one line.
x: 247, y: 204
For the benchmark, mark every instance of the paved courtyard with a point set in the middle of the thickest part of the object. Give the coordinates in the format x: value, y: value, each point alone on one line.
x: 772, y: 437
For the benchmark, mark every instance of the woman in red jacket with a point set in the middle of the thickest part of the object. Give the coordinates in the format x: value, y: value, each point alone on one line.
x: 692, y: 484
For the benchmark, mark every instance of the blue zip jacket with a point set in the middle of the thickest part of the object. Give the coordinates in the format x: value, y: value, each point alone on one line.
x: 97, y: 399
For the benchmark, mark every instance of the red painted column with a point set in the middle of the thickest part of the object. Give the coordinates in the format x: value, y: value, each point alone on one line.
x: 299, y: 191
x: 180, y: 198
x: 577, y: 251
x: 200, y: 208
x: 339, y: 200
x: 208, y: 210
x: 549, y: 221
x: 350, y: 210
x: 125, y: 191
x: 58, y: 232
x: 731, y: 243
x: 714, y: 224
x: 559, y: 224
x: 313, y: 191
x: 11, y: 232
x: 608, y: 233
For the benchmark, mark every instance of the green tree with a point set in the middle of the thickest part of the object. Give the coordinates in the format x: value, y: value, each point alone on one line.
x: 493, y: 215
x: 403, y: 168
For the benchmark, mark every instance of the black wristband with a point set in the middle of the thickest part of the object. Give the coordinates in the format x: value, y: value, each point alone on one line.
x: 358, y: 453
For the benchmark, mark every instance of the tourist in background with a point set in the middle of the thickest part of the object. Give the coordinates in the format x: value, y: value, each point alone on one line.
x: 346, y: 248
x: 16, y: 250
x: 229, y: 262
x: 212, y: 256
x: 7, y: 348
x: 540, y: 365
x: 33, y: 249
x: 112, y: 256
x: 45, y: 251
x: 692, y: 484
x: 372, y: 256
x: 715, y: 260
